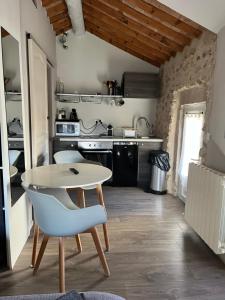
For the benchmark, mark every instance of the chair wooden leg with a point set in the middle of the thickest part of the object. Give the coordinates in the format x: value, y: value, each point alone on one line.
x: 101, y: 254
x: 102, y: 202
x: 35, y: 243
x: 81, y: 198
x: 106, y: 237
x: 79, y: 246
x: 61, y: 265
x: 41, y: 253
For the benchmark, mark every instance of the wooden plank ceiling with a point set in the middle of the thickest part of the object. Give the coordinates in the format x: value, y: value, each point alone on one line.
x: 57, y: 12
x: 144, y: 28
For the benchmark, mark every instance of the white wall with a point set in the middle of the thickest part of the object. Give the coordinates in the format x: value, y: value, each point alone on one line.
x: 118, y: 116
x: 216, y: 149
x: 19, y: 17
x: 86, y: 64
x: 89, y: 61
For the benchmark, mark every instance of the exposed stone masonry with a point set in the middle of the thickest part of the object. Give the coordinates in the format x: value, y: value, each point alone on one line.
x: 191, y: 70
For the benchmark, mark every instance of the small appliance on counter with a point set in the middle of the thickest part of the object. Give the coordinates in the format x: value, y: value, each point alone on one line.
x: 110, y: 130
x: 61, y: 115
x: 129, y: 132
x: 73, y: 115
x: 67, y: 128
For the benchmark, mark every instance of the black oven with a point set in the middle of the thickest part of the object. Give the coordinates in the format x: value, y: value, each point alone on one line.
x: 101, y: 152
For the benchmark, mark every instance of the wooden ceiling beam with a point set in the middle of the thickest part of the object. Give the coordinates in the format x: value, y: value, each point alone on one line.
x: 58, y: 17
x: 117, y: 28
x: 121, y: 41
x: 46, y: 2
x: 171, y: 12
x: 51, y: 3
x: 57, y: 9
x: 57, y: 12
x: 106, y: 14
x: 143, y: 20
x: 123, y: 47
x: 62, y: 24
x: 129, y: 42
x: 167, y: 19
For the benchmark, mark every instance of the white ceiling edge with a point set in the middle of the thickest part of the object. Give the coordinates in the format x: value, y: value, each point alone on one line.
x: 76, y: 16
x: 208, y: 13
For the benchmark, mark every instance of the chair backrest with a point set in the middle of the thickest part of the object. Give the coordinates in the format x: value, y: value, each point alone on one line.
x: 48, y: 211
x: 13, y: 156
x: 55, y: 219
x: 68, y: 157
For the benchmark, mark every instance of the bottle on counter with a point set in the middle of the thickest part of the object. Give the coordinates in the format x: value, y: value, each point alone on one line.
x: 73, y: 115
x: 110, y: 130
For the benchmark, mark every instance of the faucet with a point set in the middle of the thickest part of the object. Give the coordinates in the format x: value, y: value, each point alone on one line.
x: 147, y: 123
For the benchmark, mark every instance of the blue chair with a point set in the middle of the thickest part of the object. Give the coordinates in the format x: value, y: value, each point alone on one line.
x: 13, y: 156
x: 63, y: 197
x: 74, y: 156
x: 69, y: 156
x: 48, y: 210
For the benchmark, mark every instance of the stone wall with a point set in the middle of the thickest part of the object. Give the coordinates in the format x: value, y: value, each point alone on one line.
x: 189, y: 73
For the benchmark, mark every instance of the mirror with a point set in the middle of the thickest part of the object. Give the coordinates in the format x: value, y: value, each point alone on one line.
x: 13, y: 98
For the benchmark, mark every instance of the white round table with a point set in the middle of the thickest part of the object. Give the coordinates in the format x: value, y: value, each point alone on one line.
x: 60, y: 176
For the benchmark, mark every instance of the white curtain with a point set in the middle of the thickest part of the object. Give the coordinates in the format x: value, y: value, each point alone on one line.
x: 191, y: 145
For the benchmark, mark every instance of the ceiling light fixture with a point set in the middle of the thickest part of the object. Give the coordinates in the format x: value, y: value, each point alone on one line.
x: 63, y: 39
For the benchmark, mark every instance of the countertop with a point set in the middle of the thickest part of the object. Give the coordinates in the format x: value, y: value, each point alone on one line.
x: 16, y: 138
x: 107, y: 138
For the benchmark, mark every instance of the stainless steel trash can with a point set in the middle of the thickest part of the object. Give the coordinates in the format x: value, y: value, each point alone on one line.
x: 159, y: 164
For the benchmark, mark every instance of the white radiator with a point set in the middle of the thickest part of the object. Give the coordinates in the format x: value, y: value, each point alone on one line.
x: 205, y: 206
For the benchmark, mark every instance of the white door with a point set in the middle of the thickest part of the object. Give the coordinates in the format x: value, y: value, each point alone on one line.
x: 191, y: 143
x: 38, y: 104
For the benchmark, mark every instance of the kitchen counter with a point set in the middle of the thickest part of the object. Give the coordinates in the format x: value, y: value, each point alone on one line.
x: 103, y: 149
x: 108, y: 138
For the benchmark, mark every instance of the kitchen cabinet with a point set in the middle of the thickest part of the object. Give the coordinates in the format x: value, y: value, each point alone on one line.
x: 65, y: 145
x: 125, y: 164
x: 140, y: 85
x: 143, y: 164
x: 139, y: 156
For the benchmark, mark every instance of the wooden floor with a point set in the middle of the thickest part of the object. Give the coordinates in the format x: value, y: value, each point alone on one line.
x: 154, y: 255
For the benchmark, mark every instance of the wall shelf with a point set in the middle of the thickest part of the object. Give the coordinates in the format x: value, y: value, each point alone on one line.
x: 76, y: 98
x: 13, y: 96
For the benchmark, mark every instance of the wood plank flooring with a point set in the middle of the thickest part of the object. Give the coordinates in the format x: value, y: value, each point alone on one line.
x: 154, y: 255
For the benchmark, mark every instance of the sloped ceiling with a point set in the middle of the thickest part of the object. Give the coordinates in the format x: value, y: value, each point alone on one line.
x: 58, y: 14
x: 144, y: 28
x: 208, y: 13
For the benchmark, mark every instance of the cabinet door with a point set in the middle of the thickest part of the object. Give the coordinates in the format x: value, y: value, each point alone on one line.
x: 143, y: 164
x: 125, y: 165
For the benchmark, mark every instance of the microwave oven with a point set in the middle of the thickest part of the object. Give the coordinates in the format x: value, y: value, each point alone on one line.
x: 67, y: 128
